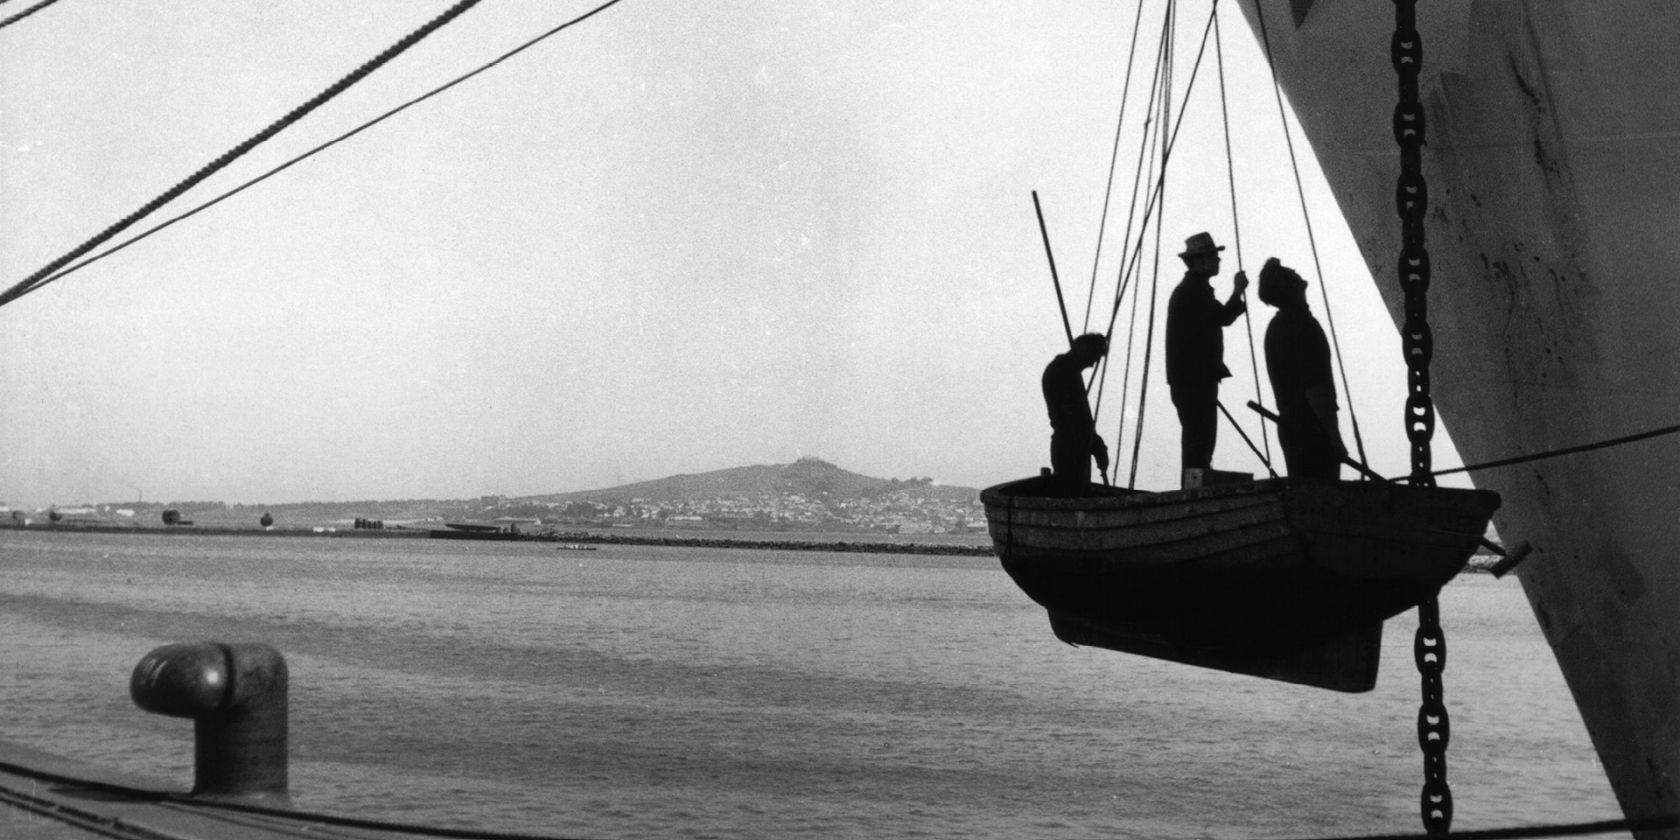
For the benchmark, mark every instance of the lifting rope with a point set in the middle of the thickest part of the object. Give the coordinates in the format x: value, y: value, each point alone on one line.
x: 1113, y: 160
x: 1163, y: 142
x: 1312, y: 241
x: 1236, y: 235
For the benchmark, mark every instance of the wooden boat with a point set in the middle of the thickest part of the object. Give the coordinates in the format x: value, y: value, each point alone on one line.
x: 1288, y: 579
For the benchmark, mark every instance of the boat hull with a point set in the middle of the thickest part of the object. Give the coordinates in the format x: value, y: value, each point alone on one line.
x: 1247, y: 577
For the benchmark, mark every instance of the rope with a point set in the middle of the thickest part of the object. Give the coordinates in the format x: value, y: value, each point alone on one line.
x: 1113, y: 161
x: 1312, y: 241
x: 1586, y: 447
x: 26, y: 13
x: 1164, y: 71
x: 324, y: 146
x: 298, y: 113
x: 1236, y: 231
x: 1143, y: 172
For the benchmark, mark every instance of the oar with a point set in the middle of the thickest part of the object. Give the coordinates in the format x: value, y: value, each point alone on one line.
x: 1507, y: 562
x: 1045, y: 232
x: 1245, y: 437
x: 1346, y: 459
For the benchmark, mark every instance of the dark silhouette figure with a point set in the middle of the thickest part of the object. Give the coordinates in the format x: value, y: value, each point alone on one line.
x: 1196, y: 321
x: 1298, y: 360
x: 1073, y: 436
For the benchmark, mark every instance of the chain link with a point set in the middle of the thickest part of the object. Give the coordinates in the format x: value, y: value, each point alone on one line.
x: 1411, y: 200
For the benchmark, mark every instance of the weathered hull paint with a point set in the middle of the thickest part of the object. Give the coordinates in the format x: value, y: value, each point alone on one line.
x: 1553, y: 161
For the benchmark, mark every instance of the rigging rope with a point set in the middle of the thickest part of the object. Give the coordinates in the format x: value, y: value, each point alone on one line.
x: 1113, y: 161
x: 28, y: 283
x: 25, y: 13
x: 323, y: 147
x: 1312, y: 241
x: 1236, y: 235
x: 1554, y: 453
x: 1141, y: 174
x: 1164, y: 144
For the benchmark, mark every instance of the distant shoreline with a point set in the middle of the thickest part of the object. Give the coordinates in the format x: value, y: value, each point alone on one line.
x: 568, y: 537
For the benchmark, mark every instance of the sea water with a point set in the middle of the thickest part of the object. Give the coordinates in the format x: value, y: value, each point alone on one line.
x: 741, y: 693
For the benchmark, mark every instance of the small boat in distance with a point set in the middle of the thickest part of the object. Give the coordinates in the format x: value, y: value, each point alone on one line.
x: 1287, y: 579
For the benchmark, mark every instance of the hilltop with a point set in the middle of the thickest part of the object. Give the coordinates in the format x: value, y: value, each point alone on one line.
x: 809, y: 477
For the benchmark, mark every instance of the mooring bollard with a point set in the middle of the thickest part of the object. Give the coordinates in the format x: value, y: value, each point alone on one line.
x: 236, y: 696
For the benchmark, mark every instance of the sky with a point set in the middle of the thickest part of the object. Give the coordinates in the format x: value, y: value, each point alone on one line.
x: 674, y: 238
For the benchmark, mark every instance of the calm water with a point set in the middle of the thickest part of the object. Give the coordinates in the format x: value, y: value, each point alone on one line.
x: 659, y: 692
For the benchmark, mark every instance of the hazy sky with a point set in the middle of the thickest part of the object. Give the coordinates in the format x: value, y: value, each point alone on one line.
x: 675, y: 238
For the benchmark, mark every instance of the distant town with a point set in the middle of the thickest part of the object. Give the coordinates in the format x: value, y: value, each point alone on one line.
x: 810, y: 495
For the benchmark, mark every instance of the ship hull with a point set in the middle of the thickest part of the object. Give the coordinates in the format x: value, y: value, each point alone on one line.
x: 1553, y: 161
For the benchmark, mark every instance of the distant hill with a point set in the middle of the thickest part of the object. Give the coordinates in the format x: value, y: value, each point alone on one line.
x: 809, y: 477
x: 829, y: 493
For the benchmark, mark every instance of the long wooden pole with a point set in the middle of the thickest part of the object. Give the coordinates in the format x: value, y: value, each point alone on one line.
x: 1045, y: 232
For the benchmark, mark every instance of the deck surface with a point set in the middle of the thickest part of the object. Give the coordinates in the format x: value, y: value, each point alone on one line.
x: 48, y: 797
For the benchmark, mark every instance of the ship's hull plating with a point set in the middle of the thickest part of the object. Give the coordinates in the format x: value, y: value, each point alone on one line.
x: 1553, y: 160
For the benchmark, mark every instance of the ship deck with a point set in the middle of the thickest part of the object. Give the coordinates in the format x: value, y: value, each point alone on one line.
x: 49, y: 797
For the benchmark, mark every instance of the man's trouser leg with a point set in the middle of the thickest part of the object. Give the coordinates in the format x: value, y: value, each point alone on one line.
x: 1198, y: 415
x: 1070, y: 460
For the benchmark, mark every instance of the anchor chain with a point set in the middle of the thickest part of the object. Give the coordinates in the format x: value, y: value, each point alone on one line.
x: 1411, y: 197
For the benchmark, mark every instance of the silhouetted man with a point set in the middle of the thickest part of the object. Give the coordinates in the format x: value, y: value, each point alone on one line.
x: 1196, y: 322
x: 1298, y: 360
x: 1073, y: 436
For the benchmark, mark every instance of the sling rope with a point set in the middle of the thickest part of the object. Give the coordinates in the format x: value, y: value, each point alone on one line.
x: 1236, y: 235
x: 1143, y: 172
x: 1165, y: 142
x: 1164, y: 145
x: 1312, y: 241
x: 1113, y: 161
x: 1140, y: 176
x: 29, y: 283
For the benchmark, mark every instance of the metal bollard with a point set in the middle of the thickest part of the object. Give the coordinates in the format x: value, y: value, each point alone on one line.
x: 236, y: 696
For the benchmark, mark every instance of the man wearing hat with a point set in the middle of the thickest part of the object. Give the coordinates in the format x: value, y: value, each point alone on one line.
x: 1196, y: 323
x: 1298, y: 359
